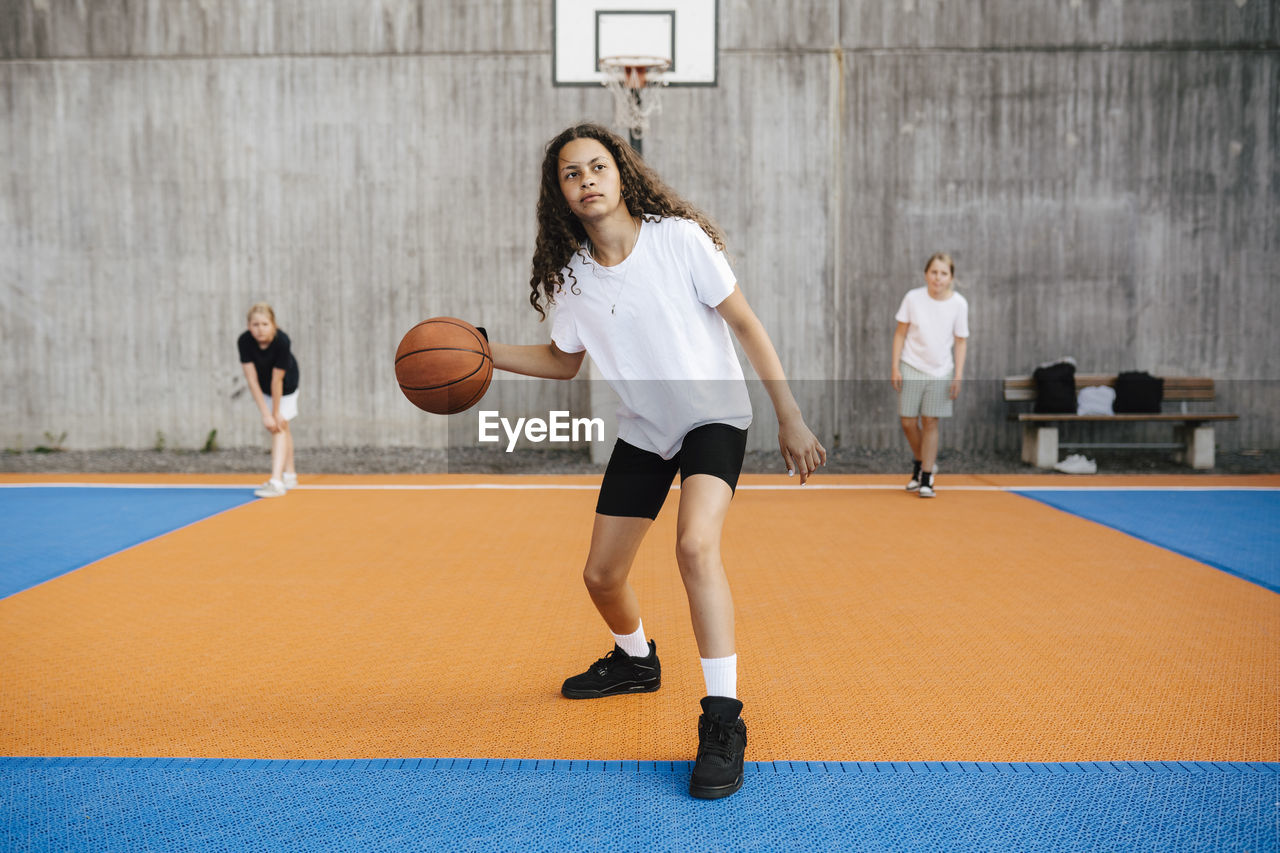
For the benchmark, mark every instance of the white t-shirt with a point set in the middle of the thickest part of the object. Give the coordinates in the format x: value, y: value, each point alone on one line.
x: 935, y: 324
x: 651, y: 327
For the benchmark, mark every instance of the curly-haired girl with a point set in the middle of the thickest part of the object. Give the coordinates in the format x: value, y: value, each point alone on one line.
x: 640, y: 281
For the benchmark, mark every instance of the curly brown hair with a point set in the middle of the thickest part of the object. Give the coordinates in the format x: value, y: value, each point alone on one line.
x: 560, y: 234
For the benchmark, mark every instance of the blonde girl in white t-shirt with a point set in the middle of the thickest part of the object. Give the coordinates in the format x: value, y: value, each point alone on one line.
x: 639, y: 280
x: 931, y: 320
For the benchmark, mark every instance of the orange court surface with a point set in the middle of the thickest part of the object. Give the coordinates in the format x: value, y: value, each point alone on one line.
x: 437, y: 615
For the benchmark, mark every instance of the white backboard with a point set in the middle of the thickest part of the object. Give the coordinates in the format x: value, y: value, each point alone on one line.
x: 682, y: 31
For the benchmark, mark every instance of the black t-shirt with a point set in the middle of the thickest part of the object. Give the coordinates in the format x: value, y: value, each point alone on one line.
x: 277, y: 354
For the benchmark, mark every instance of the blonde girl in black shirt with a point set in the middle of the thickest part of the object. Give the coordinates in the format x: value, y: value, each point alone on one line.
x: 272, y: 373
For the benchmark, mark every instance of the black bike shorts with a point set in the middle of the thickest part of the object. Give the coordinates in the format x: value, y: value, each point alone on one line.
x: 636, y: 482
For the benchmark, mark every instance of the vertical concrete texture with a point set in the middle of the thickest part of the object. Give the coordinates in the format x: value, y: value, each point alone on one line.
x: 1104, y: 172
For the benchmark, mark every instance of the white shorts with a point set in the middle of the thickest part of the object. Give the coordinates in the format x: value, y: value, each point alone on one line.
x: 288, y: 406
x: 923, y: 394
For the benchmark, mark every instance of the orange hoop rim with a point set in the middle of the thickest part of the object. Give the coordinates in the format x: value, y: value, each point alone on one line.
x: 635, y: 72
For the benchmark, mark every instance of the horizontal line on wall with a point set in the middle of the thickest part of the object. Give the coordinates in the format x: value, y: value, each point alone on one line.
x: 1261, y: 47
x: 204, y: 57
x: 1179, y: 48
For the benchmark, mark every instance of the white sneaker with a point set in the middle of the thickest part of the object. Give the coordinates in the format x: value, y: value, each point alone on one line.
x: 914, y: 483
x: 1076, y: 464
x: 926, y: 486
x: 290, y: 480
x: 270, y: 489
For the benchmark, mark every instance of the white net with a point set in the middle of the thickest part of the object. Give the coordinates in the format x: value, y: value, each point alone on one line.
x: 634, y: 82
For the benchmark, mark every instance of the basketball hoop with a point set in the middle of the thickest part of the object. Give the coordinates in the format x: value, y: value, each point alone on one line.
x: 634, y: 82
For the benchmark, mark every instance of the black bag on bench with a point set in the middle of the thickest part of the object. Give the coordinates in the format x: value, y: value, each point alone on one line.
x: 1138, y: 392
x: 1055, y: 389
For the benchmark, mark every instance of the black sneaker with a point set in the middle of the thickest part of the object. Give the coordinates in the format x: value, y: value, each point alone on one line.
x: 722, y: 740
x: 914, y: 482
x: 615, y: 673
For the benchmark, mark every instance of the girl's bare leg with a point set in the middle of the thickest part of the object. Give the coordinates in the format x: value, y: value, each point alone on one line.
x: 704, y: 503
x: 279, y: 448
x: 288, y: 452
x: 911, y: 428
x: 929, y: 443
x: 614, y: 542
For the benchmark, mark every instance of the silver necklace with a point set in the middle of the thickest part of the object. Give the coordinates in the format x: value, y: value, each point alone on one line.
x: 617, y: 294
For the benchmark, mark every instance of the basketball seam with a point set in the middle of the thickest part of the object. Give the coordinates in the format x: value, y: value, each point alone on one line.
x: 483, y: 388
x: 436, y: 387
x: 453, y: 321
x: 440, y: 349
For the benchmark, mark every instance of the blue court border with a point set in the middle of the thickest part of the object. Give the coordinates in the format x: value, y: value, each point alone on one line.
x: 212, y: 804
x: 52, y: 529
x: 1236, y: 531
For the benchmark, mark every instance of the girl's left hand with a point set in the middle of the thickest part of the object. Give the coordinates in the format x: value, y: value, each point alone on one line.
x: 801, y: 450
x: 955, y: 388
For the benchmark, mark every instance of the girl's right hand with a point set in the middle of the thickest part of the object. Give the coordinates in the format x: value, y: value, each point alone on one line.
x: 896, y: 379
x: 802, y: 453
x: 270, y: 423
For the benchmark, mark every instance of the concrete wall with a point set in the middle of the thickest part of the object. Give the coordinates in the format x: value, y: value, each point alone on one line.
x: 1104, y: 172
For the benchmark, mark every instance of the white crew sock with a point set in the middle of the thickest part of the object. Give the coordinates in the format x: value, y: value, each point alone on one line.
x: 634, y: 643
x: 721, y: 676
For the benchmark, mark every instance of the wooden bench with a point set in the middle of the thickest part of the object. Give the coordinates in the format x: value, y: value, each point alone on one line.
x: 1193, y: 431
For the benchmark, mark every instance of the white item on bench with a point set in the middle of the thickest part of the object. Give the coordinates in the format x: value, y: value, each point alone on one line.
x: 1096, y: 400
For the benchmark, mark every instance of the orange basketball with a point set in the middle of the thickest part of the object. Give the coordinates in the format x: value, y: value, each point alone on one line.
x: 444, y: 365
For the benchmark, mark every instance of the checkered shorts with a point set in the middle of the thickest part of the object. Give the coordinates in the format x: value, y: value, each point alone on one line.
x: 924, y: 395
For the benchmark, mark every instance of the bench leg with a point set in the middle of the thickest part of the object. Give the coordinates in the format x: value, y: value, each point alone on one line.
x: 1040, y: 445
x: 1197, y: 444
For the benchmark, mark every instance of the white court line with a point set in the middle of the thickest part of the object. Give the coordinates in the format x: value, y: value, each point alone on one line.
x: 62, y: 485
x: 353, y: 487
x: 515, y: 487
x: 445, y: 487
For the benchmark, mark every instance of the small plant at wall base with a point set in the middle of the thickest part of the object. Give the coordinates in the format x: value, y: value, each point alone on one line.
x: 159, y: 446
x: 211, y: 443
x: 54, y: 443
